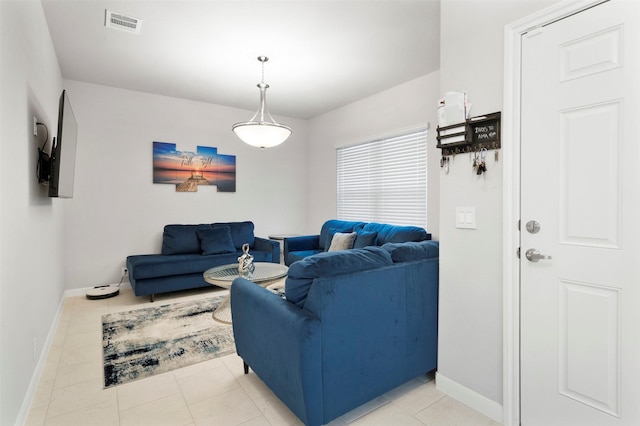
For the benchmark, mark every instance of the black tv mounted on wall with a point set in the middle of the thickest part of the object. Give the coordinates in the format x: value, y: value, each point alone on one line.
x: 63, y: 152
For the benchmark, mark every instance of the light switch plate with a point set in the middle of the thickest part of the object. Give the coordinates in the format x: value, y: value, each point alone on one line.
x: 466, y: 217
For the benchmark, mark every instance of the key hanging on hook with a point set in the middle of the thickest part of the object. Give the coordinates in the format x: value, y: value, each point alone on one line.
x: 444, y: 163
x: 482, y: 166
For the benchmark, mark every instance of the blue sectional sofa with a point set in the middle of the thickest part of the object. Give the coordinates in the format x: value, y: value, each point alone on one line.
x: 367, y: 234
x: 354, y: 325
x: 189, y: 250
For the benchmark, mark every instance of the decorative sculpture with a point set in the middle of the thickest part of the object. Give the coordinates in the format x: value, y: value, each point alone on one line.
x: 245, y: 263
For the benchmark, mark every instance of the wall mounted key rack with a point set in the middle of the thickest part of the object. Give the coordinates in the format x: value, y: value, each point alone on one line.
x: 472, y: 135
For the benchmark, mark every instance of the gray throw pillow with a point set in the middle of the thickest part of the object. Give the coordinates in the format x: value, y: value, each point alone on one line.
x: 342, y: 241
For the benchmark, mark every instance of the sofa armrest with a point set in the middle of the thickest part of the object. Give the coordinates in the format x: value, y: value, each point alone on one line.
x: 281, y: 343
x: 301, y: 243
x: 263, y: 244
x: 306, y: 244
x: 375, y: 336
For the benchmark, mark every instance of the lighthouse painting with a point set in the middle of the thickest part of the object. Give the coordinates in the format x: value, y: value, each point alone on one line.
x: 189, y: 170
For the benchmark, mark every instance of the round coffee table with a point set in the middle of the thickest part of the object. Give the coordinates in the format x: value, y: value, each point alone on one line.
x: 264, y: 274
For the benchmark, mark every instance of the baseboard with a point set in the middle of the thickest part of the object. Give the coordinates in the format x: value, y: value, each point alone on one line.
x: 42, y: 360
x: 470, y: 398
x: 44, y: 355
x: 83, y: 291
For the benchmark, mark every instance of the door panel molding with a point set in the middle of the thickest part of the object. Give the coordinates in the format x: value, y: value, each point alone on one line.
x: 590, y: 55
x: 596, y: 382
x: 586, y: 175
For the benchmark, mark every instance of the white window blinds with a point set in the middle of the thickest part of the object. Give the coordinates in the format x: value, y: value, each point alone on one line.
x: 384, y: 180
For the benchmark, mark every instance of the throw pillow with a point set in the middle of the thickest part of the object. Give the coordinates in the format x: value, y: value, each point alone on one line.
x: 181, y: 239
x: 342, y: 241
x: 216, y: 240
x: 331, y: 232
x: 241, y: 232
x: 364, y: 239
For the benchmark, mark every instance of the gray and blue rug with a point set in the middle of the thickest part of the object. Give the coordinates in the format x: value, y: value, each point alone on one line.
x: 144, y: 342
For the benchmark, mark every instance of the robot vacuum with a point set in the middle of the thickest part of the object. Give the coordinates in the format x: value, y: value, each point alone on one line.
x: 103, y: 292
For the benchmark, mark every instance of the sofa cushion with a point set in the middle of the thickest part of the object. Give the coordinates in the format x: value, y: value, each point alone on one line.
x: 332, y: 226
x: 147, y: 266
x: 342, y: 241
x: 395, y: 234
x: 241, y: 232
x: 410, y: 251
x: 294, y: 256
x: 153, y: 266
x: 302, y: 273
x: 216, y: 240
x: 181, y: 239
x: 364, y: 239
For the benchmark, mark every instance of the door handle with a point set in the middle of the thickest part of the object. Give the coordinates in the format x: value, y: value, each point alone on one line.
x: 534, y: 255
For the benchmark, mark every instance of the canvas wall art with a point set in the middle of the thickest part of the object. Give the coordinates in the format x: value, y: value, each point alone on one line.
x: 189, y: 170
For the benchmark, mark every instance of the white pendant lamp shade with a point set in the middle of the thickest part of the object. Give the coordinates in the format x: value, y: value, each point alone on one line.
x: 262, y: 135
x: 262, y: 130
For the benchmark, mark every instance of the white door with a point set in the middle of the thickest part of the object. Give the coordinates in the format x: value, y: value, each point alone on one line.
x: 580, y: 171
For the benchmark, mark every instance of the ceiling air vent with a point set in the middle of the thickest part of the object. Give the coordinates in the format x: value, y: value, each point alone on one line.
x: 122, y: 22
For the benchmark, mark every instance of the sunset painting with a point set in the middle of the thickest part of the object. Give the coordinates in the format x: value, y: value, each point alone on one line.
x: 188, y: 170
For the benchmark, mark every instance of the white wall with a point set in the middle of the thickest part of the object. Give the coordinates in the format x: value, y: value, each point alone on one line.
x: 117, y: 210
x: 408, y: 105
x: 31, y: 271
x: 470, y: 337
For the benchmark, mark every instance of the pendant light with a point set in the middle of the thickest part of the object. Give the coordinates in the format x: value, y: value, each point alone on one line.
x: 262, y: 130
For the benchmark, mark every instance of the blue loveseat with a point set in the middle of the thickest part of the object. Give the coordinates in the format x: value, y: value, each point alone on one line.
x: 189, y: 250
x: 367, y: 234
x: 354, y: 325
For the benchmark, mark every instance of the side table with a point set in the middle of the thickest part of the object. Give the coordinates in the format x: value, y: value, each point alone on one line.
x: 280, y: 238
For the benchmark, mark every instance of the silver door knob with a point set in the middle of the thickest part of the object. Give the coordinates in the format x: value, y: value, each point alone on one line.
x: 534, y: 255
x: 533, y: 227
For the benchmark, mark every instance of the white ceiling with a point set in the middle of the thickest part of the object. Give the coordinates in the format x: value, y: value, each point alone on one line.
x: 323, y: 53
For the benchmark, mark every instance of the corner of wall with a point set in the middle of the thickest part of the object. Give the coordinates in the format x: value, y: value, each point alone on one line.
x: 470, y: 398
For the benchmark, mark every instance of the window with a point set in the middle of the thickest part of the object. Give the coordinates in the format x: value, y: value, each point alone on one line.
x: 384, y: 180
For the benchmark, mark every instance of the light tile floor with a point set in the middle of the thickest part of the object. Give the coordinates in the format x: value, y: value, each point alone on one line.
x: 215, y: 392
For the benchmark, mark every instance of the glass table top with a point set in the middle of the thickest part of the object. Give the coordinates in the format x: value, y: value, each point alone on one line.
x: 264, y: 271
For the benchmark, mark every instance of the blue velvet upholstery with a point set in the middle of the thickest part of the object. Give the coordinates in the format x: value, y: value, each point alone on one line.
x: 364, y: 239
x: 294, y: 256
x: 330, y: 227
x: 241, y: 232
x: 301, y: 274
x: 407, y: 252
x: 216, y: 240
x: 297, y: 248
x: 396, y: 234
x: 358, y: 335
x: 287, y: 339
x: 181, y: 264
x: 181, y: 239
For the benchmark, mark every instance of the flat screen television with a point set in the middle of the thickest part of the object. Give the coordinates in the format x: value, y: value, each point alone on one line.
x: 63, y: 151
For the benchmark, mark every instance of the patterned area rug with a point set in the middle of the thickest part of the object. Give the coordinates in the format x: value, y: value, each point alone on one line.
x: 144, y: 342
